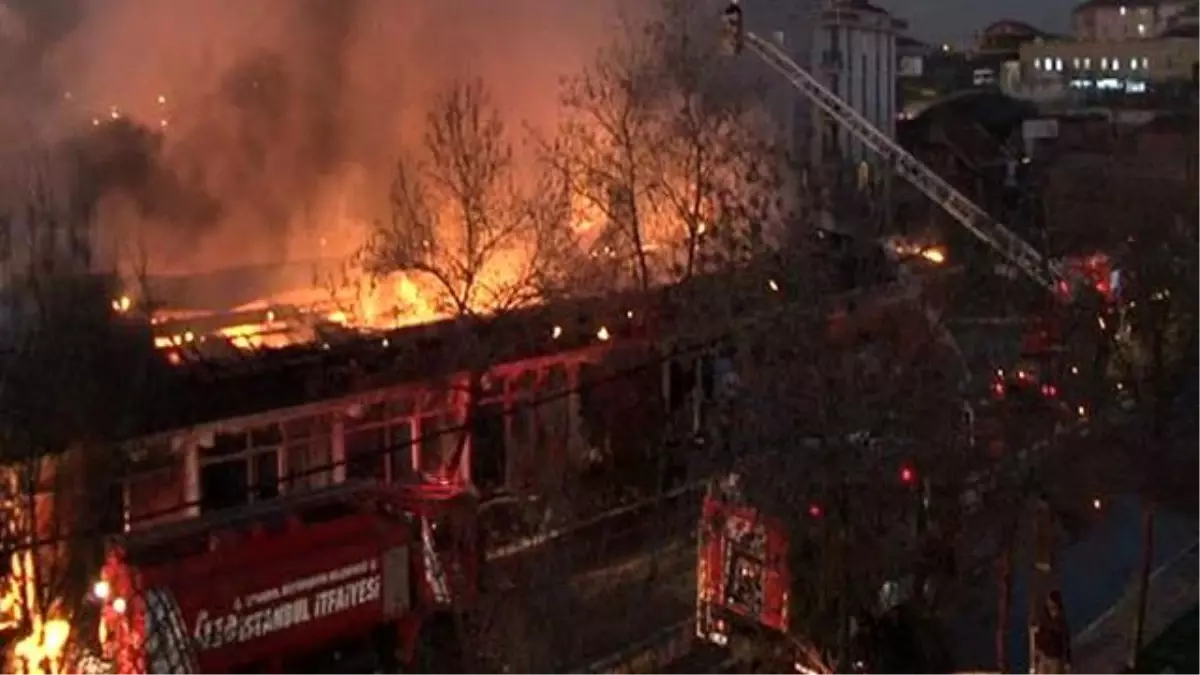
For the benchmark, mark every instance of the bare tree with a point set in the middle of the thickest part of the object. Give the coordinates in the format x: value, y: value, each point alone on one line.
x: 1156, y: 356
x: 460, y: 217
x: 666, y: 157
x: 70, y: 364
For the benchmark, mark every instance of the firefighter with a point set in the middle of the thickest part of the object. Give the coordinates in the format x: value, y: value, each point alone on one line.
x: 1052, y: 638
x: 734, y: 29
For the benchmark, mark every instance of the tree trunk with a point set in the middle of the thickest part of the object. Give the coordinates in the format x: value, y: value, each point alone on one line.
x: 1004, y: 597
x: 1041, y: 578
x: 1143, y: 588
x: 1155, y: 443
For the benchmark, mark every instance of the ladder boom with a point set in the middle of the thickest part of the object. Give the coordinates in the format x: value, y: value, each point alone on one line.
x: 1013, y: 248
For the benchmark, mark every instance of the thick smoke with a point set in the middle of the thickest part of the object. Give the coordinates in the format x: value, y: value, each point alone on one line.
x: 219, y: 133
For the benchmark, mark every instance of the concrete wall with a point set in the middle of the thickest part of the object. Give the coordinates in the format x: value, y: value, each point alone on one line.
x: 854, y: 54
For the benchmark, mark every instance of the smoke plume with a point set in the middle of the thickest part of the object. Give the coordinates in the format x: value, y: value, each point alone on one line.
x: 218, y: 133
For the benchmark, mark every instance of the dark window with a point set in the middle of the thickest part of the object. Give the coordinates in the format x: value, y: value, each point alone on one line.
x: 523, y: 448
x: 682, y: 380
x: 365, y: 452
x: 266, y: 475
x: 223, y: 485
x: 489, y: 455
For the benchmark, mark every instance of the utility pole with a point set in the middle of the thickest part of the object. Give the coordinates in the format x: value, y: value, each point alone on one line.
x: 1041, y: 579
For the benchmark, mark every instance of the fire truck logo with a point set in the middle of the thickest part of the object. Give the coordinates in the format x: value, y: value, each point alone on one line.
x: 254, y: 615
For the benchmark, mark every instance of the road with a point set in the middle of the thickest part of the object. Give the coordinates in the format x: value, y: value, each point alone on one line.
x: 592, y: 591
x: 1095, y: 572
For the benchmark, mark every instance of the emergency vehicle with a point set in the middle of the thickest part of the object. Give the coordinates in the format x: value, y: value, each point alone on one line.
x: 357, y: 578
x: 743, y: 577
x: 1060, y: 352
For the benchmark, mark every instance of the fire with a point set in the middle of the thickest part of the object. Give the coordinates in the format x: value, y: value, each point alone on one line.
x: 42, y: 650
x: 394, y: 301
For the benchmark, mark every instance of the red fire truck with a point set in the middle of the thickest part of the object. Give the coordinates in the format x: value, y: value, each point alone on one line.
x: 743, y: 577
x: 1056, y: 348
x: 350, y: 579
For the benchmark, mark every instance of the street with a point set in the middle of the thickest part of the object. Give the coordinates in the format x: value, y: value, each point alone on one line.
x: 1095, y: 572
x: 596, y: 589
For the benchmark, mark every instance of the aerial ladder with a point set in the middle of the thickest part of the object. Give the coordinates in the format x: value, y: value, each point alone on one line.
x: 1047, y: 273
x: 1050, y: 274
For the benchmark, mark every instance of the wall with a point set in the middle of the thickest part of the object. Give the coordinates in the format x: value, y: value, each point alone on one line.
x: 1151, y: 61
x: 389, y: 435
x: 789, y: 23
x: 1133, y: 21
x: 854, y: 51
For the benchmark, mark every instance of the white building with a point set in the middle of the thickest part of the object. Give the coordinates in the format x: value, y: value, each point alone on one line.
x: 790, y: 24
x: 854, y: 54
x: 1120, y: 20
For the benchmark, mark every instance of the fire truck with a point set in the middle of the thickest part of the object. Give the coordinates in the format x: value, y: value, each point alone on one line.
x: 1059, y: 352
x: 743, y: 577
x: 356, y: 578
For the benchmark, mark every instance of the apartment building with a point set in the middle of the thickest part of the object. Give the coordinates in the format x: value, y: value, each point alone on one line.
x: 854, y: 49
x: 1133, y: 66
x: 1122, y: 20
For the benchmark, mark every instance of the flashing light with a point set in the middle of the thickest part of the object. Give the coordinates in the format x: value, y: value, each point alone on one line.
x: 998, y: 389
x: 772, y: 285
x: 1022, y: 375
x: 907, y: 475
x: 814, y: 510
x: 119, y: 605
x: 603, y: 335
x: 1096, y: 504
x: 556, y: 333
x: 1049, y: 390
x: 101, y: 590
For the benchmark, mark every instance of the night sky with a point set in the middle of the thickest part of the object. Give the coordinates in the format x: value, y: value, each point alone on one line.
x: 955, y: 20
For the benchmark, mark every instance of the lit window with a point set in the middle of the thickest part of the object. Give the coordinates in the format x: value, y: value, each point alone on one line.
x: 1104, y: 63
x: 1075, y: 63
x: 1142, y: 30
x: 1123, y: 10
x: 1116, y: 64
x: 1087, y: 63
x: 1145, y: 63
x: 1058, y: 64
x: 1037, y: 64
x: 1133, y: 64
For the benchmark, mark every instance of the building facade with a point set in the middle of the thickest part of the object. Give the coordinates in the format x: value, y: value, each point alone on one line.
x: 789, y: 24
x: 855, y: 55
x: 1122, y: 20
x: 1130, y: 66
